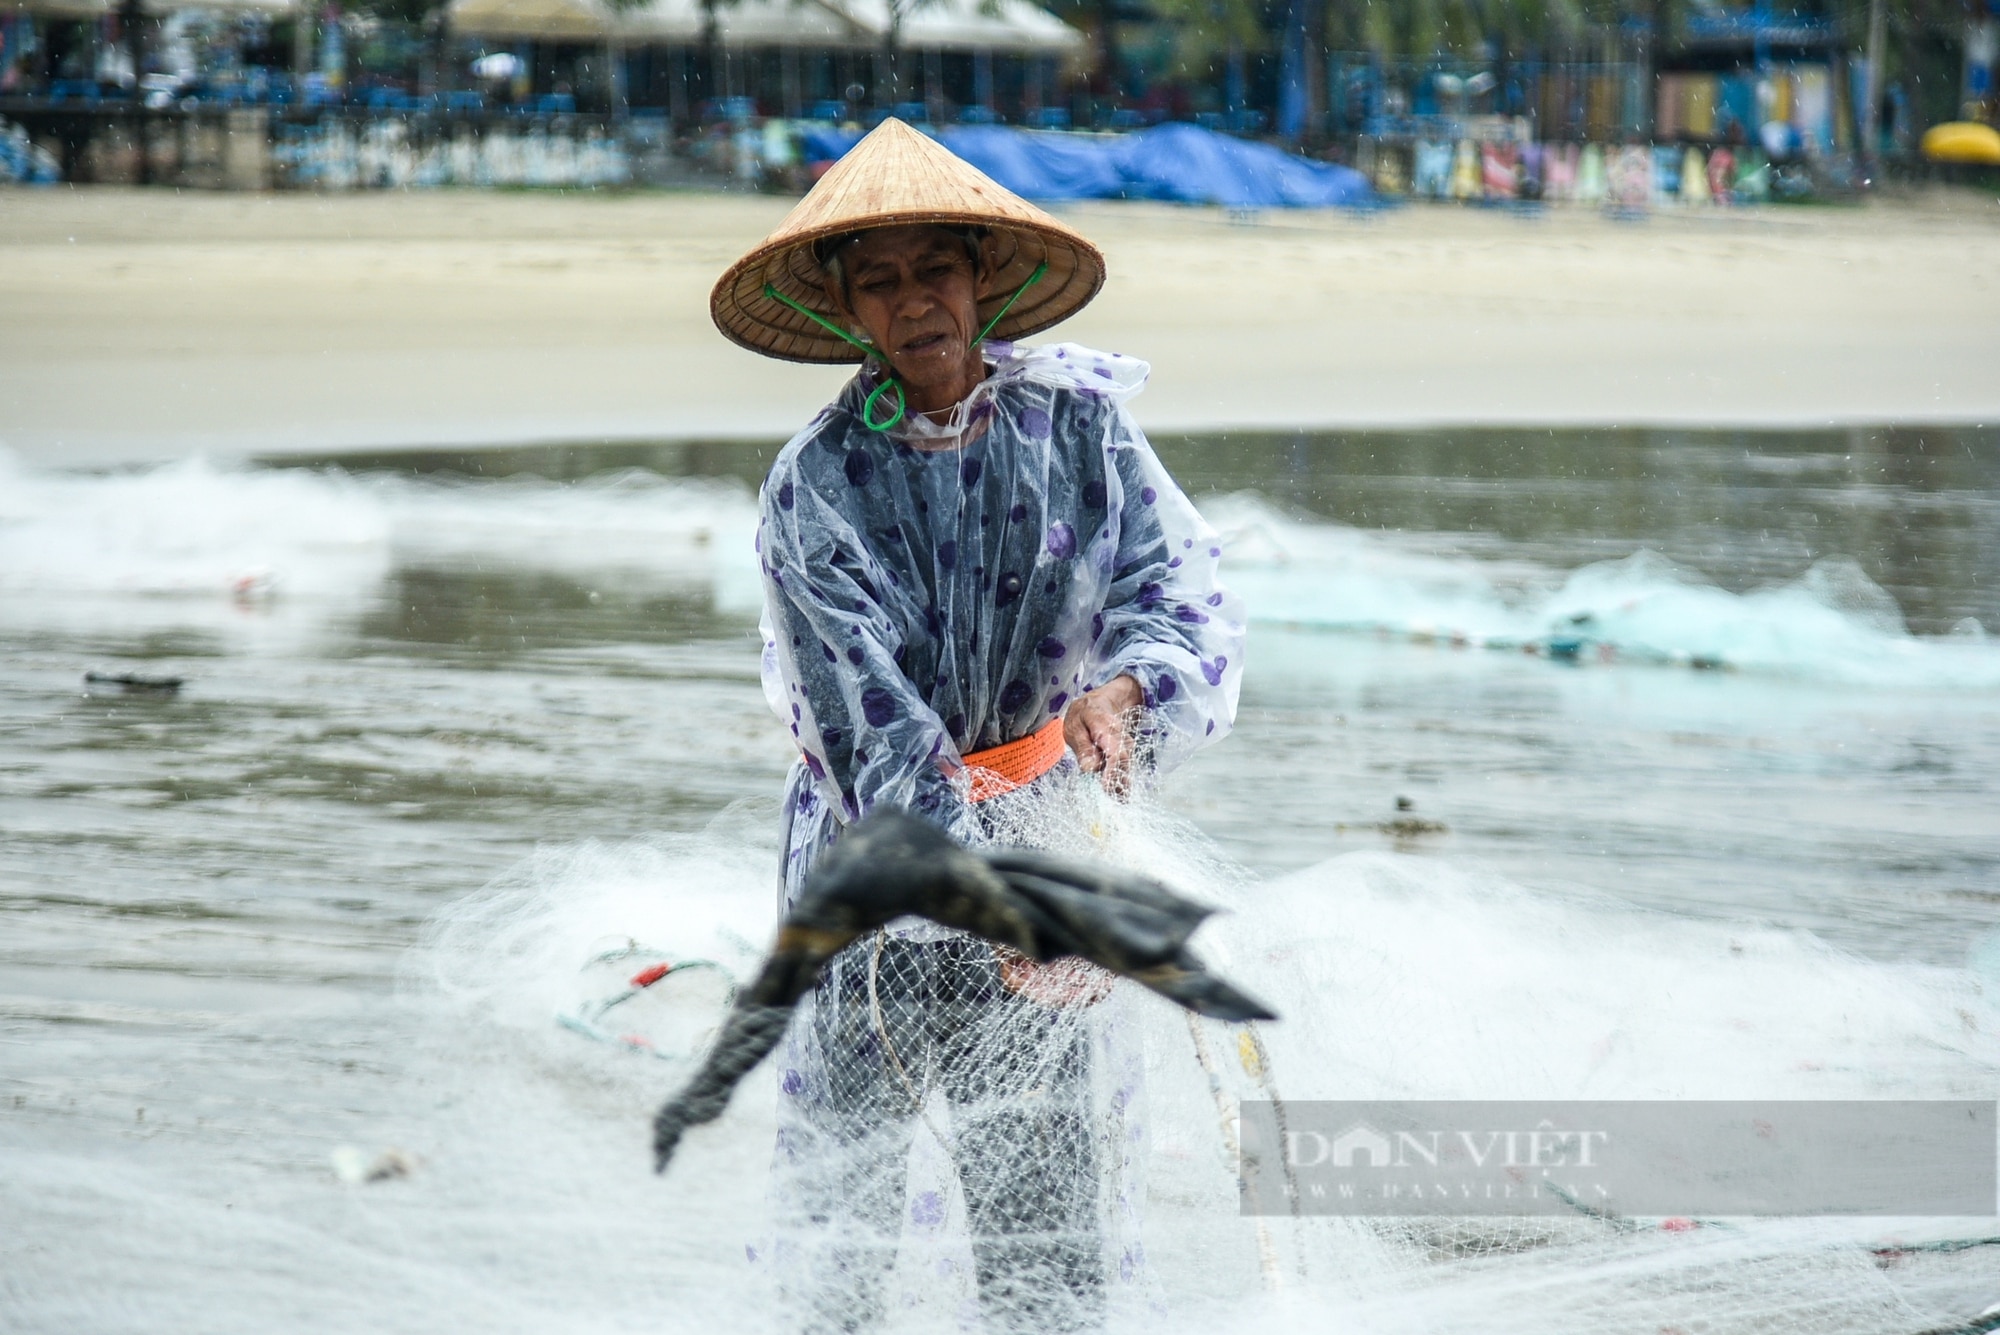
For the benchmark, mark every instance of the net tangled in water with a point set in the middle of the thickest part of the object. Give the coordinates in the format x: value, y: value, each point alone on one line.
x: 1393, y: 974
x: 962, y: 1137
x: 926, y: 1098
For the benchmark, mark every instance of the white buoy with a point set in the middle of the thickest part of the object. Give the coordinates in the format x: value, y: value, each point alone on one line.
x: 1694, y: 178
x: 1592, y: 183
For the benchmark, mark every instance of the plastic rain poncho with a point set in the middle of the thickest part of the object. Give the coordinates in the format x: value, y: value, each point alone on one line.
x: 920, y: 604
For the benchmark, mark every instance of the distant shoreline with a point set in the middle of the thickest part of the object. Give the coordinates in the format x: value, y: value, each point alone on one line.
x: 258, y: 325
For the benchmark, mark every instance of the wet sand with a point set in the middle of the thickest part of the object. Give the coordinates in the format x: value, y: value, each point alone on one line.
x: 140, y: 325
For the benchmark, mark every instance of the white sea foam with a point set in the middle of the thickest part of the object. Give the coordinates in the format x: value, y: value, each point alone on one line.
x: 1831, y: 624
x: 188, y: 529
x: 676, y: 530
x: 515, y: 953
x: 269, y: 555
x: 248, y: 552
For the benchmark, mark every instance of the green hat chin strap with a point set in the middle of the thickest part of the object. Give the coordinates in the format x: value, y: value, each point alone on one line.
x: 868, y: 349
x: 1000, y: 314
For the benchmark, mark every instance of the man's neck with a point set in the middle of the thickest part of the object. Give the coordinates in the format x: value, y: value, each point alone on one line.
x: 943, y: 397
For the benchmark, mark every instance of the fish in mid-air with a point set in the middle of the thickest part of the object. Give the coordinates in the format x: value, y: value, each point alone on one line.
x: 893, y: 864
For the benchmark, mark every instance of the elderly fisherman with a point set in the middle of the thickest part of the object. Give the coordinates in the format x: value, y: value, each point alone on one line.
x: 978, y: 580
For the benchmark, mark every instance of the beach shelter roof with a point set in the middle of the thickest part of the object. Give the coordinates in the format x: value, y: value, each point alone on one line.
x: 222, y: 6
x: 55, y: 9
x: 972, y: 25
x: 995, y: 25
x: 531, y: 20
x: 746, y: 23
x: 90, y: 9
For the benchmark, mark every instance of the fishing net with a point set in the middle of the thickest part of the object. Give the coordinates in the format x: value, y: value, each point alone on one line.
x: 960, y: 1132
x: 951, y: 1148
x: 650, y: 1001
x: 1023, y: 1124
x: 955, y: 1154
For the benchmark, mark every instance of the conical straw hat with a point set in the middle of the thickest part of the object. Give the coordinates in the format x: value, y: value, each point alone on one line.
x: 892, y: 178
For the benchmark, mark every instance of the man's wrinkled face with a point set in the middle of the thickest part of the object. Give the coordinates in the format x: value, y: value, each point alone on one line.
x: 916, y: 291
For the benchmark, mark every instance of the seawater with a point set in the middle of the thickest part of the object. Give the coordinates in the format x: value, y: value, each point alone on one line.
x: 1570, y: 764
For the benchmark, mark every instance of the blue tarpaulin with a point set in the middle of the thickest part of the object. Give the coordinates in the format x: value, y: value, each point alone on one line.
x: 1191, y: 165
x: 826, y: 143
x: 1183, y: 163
x: 1039, y: 164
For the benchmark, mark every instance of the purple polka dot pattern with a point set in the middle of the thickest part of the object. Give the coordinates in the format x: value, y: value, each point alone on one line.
x: 1000, y: 583
x: 991, y: 586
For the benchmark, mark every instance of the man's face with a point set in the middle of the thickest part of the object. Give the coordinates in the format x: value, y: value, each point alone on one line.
x: 916, y: 292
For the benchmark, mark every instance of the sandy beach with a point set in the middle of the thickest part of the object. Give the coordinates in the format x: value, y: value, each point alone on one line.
x: 147, y: 324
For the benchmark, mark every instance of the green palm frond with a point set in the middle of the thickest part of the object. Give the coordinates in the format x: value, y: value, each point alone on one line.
x: 1206, y: 30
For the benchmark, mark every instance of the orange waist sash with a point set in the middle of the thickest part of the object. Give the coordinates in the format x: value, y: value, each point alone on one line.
x: 1002, y: 769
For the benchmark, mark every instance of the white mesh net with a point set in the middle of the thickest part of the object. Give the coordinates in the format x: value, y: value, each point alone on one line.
x: 960, y: 1132
x: 1024, y: 1139
x: 1027, y: 1165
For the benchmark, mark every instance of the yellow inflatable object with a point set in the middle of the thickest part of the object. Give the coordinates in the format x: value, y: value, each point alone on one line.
x: 1963, y: 141
x: 1465, y: 180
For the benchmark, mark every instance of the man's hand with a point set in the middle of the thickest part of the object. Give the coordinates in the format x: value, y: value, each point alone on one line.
x: 1098, y: 728
x: 1057, y: 984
